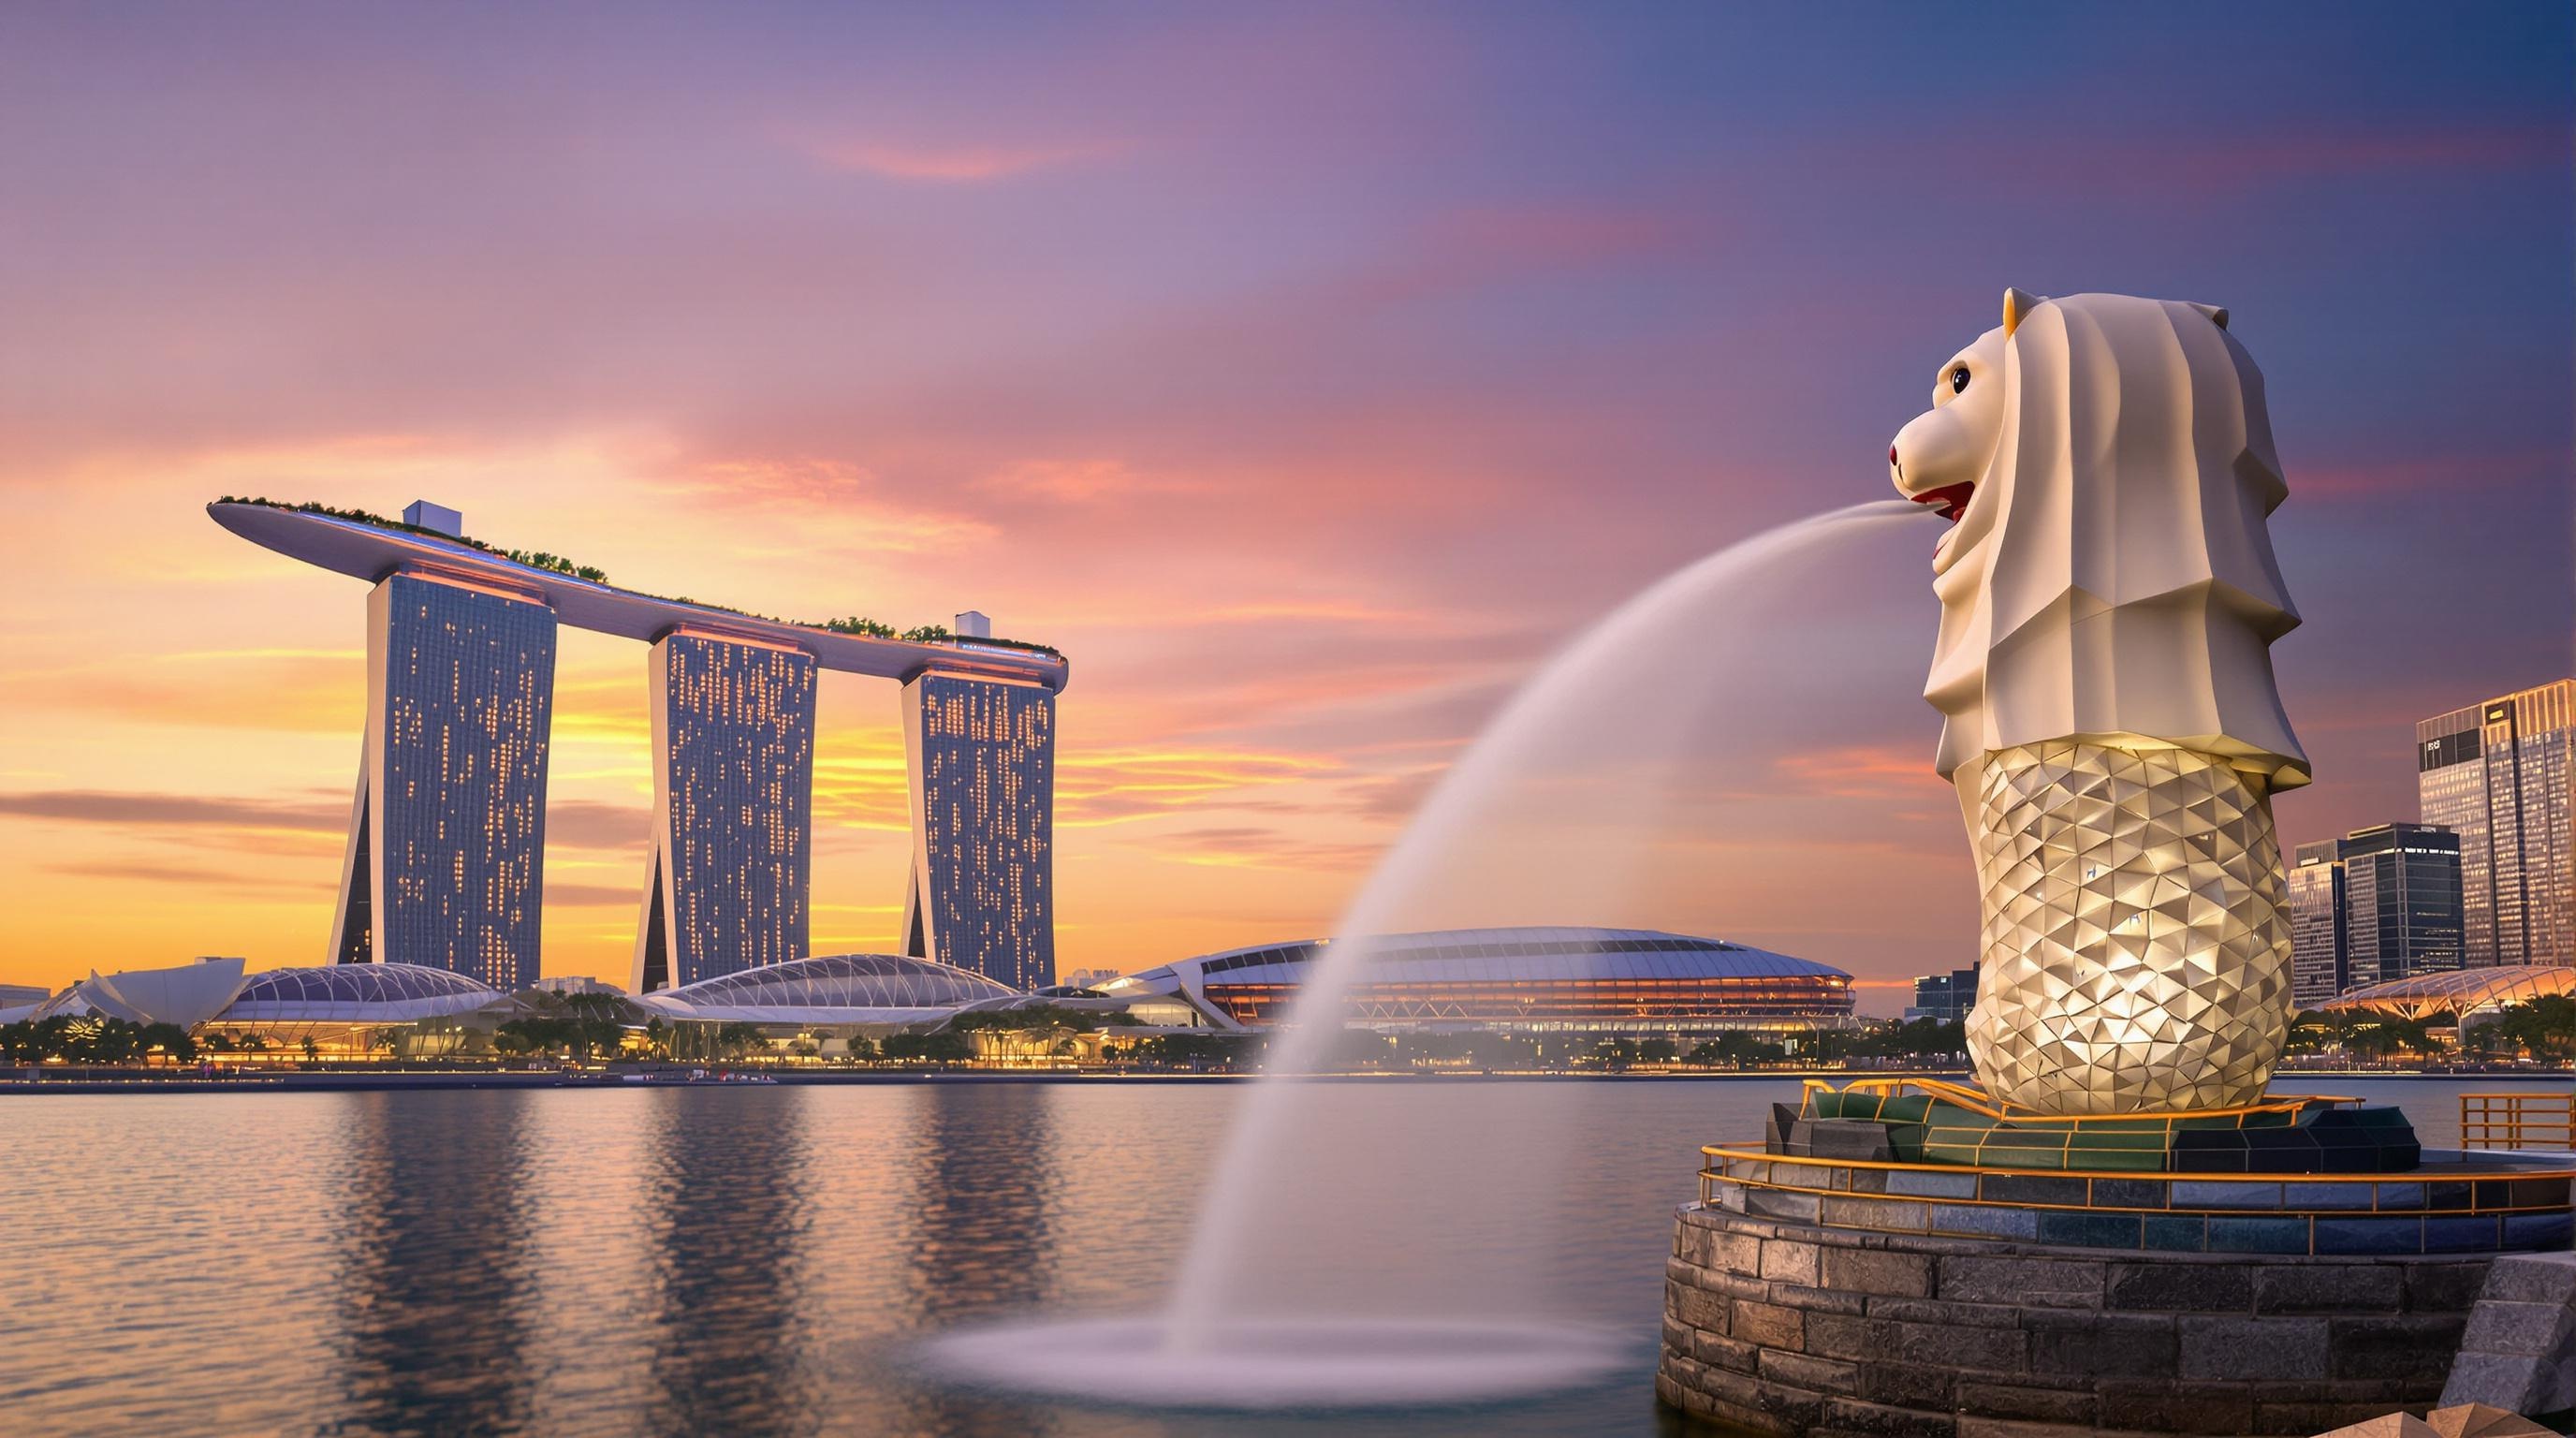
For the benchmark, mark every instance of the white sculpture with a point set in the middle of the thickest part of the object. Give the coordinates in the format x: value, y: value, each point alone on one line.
x: 2108, y: 602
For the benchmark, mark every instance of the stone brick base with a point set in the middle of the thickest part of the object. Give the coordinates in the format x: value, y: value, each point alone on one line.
x: 1791, y: 1328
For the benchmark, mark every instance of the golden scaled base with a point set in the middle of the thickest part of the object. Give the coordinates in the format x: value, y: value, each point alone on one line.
x: 2136, y: 947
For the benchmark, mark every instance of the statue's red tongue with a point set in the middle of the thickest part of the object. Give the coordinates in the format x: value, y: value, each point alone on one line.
x: 1952, y: 499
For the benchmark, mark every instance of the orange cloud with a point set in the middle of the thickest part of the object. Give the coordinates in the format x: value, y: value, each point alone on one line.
x: 832, y: 501
x: 1072, y: 481
x: 1862, y: 771
x: 950, y: 165
x: 1256, y: 847
x: 1117, y: 786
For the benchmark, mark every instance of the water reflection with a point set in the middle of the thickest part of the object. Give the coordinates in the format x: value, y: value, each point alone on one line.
x: 436, y: 1279
x: 983, y: 1168
x: 982, y: 1176
x: 749, y: 1260
x: 728, y: 1215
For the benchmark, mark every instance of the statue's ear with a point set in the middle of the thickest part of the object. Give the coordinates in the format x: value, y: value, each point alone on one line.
x: 2217, y: 313
x: 2017, y: 306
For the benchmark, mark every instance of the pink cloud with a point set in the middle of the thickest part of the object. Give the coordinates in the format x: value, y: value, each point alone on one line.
x: 2374, y: 479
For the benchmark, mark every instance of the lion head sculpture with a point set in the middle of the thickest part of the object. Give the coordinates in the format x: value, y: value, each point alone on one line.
x: 2107, y: 466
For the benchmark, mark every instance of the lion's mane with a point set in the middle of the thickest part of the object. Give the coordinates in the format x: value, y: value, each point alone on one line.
x: 2113, y: 580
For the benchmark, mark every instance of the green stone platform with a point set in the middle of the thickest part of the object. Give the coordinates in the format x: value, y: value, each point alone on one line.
x: 1934, y: 1122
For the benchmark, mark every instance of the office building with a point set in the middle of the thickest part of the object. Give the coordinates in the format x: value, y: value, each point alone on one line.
x: 1944, y: 998
x: 980, y: 753
x: 733, y: 781
x: 2401, y: 911
x: 447, y: 839
x: 2320, y: 967
x: 2502, y: 775
x: 2374, y: 907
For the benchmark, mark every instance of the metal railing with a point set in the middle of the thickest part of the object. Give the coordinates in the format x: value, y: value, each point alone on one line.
x: 2545, y: 1120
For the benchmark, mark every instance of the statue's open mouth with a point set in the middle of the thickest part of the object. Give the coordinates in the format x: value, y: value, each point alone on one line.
x: 1951, y: 498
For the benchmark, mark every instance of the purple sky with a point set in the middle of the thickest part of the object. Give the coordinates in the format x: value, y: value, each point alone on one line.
x: 1306, y: 372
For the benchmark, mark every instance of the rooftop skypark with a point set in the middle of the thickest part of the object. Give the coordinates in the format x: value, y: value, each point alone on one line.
x: 855, y: 625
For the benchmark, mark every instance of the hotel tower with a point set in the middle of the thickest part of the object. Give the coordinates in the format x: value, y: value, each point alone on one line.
x: 733, y: 785
x: 447, y: 840
x: 980, y: 754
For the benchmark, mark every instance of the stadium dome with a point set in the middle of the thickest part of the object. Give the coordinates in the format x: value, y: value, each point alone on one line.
x: 829, y: 989
x: 2458, y: 991
x: 1545, y: 979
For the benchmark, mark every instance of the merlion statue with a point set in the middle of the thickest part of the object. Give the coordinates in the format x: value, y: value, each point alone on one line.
x: 2108, y: 603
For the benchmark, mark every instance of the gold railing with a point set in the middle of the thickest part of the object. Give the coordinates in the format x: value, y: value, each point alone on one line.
x: 2544, y: 1120
x: 1810, y: 1174
x: 1976, y: 1101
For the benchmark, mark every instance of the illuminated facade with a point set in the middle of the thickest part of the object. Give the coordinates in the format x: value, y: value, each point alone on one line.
x: 981, y: 758
x: 1527, y: 980
x: 2503, y: 776
x: 446, y: 854
x: 733, y: 781
x: 2319, y: 965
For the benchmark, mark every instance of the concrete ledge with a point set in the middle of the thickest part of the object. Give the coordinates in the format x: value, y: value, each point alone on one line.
x: 2519, y: 1350
x: 1788, y: 1327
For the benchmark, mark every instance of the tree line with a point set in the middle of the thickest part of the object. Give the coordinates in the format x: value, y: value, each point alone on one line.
x: 2541, y: 1028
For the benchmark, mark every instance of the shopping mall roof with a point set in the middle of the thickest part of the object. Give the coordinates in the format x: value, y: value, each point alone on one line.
x: 2458, y: 991
x: 357, y: 994
x: 830, y: 989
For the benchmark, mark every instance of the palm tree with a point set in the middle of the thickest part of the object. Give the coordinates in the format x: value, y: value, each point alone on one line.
x: 2385, y: 1035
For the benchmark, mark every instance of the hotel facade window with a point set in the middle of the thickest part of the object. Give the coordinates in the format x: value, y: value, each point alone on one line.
x: 980, y: 755
x: 726, y: 885
x: 446, y: 856
x: 2503, y: 776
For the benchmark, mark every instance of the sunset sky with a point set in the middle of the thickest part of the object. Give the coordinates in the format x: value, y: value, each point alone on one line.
x: 1306, y: 373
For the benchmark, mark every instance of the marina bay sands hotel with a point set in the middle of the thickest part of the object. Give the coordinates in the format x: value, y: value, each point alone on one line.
x: 446, y: 854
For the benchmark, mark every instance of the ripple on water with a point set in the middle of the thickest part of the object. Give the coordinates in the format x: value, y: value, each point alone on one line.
x: 1281, y: 1363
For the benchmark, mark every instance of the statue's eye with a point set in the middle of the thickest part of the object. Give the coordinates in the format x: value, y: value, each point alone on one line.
x: 1959, y: 380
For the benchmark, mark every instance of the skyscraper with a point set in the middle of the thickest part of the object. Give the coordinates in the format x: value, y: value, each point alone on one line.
x: 2503, y: 775
x: 1944, y: 998
x: 446, y: 855
x: 2401, y: 896
x: 2319, y: 967
x: 733, y: 782
x: 981, y: 756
